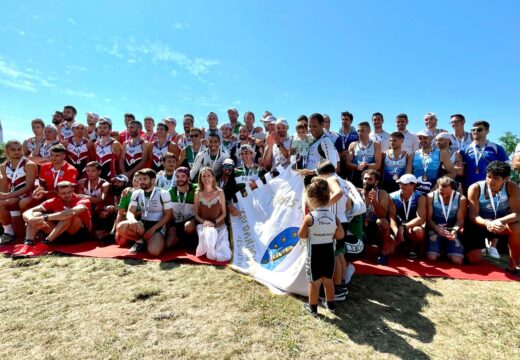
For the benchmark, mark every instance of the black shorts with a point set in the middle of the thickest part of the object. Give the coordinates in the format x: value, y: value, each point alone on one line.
x: 148, y: 224
x: 185, y: 241
x: 475, y: 237
x: 81, y: 235
x: 320, y: 261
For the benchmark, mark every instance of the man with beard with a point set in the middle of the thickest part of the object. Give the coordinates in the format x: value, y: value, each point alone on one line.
x: 80, y: 150
x: 244, y: 139
x: 69, y: 114
x: 156, y: 212
x: 233, y: 119
x: 427, y: 163
x: 65, y: 218
x: 494, y: 214
x: 228, y: 183
x: 407, y: 215
x: 108, y: 150
x: 256, y: 131
x: 278, y: 154
x: 135, y: 150
x: 347, y: 135
x: 51, y: 173
x: 228, y: 140
x: 149, y: 124
x: 363, y: 154
x: 161, y: 146
x: 190, y: 152
x: 187, y: 124
x: 123, y: 135
x: 118, y: 201
x: 396, y: 162
x: 212, y: 157
x: 42, y: 153
x: 321, y: 149
x: 376, y: 228
x: 30, y: 144
x: 430, y: 120
x: 16, y: 181
x: 443, y: 142
x: 481, y: 152
x: 166, y: 178
x: 411, y: 142
x: 91, y: 131
x: 212, y: 126
x: 57, y: 118
x: 379, y: 135
x: 182, y: 232
x: 269, y: 124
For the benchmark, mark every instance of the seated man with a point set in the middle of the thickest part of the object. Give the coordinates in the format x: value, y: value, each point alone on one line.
x: 375, y: 224
x: 156, y: 212
x: 17, y: 176
x: 407, y: 213
x: 51, y: 173
x: 120, y: 195
x: 65, y: 218
x: 446, y: 213
x: 494, y: 213
x: 182, y: 232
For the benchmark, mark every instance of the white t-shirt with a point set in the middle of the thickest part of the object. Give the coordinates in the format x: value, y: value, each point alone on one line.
x: 382, y: 138
x: 322, y: 149
x: 163, y: 183
x: 153, y: 205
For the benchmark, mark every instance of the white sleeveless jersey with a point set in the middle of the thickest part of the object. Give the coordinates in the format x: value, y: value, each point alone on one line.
x: 323, y: 228
x: 321, y: 149
x: 340, y: 208
x: 163, y: 182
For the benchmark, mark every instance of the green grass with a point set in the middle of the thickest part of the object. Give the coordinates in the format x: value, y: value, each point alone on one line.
x: 83, y: 308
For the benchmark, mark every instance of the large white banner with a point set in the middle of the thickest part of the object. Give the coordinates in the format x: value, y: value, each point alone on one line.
x: 265, y: 235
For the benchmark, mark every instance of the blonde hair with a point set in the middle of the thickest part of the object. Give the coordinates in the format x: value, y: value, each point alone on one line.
x: 199, y: 181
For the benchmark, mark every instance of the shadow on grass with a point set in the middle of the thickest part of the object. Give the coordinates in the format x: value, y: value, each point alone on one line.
x: 134, y: 262
x: 380, y: 311
x: 168, y: 265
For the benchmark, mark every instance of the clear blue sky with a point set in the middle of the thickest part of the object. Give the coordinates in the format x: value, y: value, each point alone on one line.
x: 164, y: 58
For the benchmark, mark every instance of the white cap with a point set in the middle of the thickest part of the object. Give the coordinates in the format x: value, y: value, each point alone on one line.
x: 268, y: 119
x: 282, y: 121
x: 443, y: 135
x: 407, y: 179
x: 228, y: 161
x: 121, y: 177
x: 93, y: 114
x: 226, y: 125
x: 76, y: 124
x: 425, y: 133
x: 170, y: 119
x: 246, y: 147
x: 233, y: 109
x: 107, y: 119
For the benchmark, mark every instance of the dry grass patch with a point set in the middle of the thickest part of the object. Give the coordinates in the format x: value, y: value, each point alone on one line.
x: 83, y: 308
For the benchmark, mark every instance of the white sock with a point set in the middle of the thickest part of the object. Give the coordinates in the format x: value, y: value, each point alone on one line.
x: 8, y: 229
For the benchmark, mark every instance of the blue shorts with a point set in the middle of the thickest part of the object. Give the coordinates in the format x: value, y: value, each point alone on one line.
x: 437, y: 244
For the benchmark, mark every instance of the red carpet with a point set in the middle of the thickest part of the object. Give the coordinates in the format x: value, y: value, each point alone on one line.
x: 399, y: 265
x: 94, y: 249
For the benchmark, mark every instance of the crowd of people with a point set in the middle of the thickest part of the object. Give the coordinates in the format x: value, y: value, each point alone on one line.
x: 148, y: 187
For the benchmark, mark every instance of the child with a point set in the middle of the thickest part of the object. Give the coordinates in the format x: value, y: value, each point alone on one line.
x: 301, y: 143
x: 318, y: 230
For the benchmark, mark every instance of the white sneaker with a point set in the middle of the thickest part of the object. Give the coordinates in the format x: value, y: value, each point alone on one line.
x: 349, y: 271
x: 493, y: 252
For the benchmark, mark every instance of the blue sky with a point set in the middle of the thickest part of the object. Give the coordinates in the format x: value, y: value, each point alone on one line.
x: 163, y: 58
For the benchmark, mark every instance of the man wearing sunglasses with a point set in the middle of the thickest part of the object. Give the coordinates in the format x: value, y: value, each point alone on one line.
x: 479, y: 153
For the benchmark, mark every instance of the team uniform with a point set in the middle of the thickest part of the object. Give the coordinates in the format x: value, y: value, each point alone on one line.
x: 16, y: 176
x: 133, y: 153
x: 56, y: 205
x: 278, y: 158
x: 393, y: 169
x: 365, y: 153
x: 405, y: 210
x: 191, y: 154
x: 106, y: 158
x: 244, y: 175
x: 458, y: 144
x: 158, y: 152
x: 204, y: 159
x: 165, y: 182
x: 49, y: 177
x: 31, y: 145
x: 183, y: 210
x: 426, y: 169
x: 340, y: 210
x: 490, y: 208
x: 152, y: 206
x: 150, y: 138
x: 320, y: 245
x: 66, y: 132
x: 477, y: 158
x: 45, y: 148
x: 77, y: 154
x: 321, y: 149
x: 92, y: 135
x: 447, y: 218
x: 234, y: 154
x: 96, y: 190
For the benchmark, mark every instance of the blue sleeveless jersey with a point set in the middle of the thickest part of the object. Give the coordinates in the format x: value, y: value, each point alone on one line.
x: 399, y: 206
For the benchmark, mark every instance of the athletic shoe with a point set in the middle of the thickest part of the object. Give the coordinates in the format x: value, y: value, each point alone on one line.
x: 7, y: 239
x: 331, y: 308
x: 137, y: 248
x: 382, y: 259
x: 39, y: 250
x: 493, y: 252
x: 350, y: 270
x: 340, y: 294
x: 22, y: 251
x: 412, y: 255
x: 515, y: 272
x: 307, y: 308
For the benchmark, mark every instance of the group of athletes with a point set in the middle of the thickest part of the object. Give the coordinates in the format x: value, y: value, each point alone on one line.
x: 431, y: 194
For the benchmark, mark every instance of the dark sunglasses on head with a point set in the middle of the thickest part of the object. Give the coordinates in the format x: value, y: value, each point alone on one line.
x: 477, y: 129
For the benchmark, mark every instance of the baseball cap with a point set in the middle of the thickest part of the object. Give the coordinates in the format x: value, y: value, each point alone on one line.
x: 233, y: 109
x: 268, y: 119
x: 76, y: 124
x: 226, y: 125
x: 425, y: 133
x: 407, y: 179
x: 443, y: 135
x: 246, y: 147
x: 229, y: 161
x: 121, y: 177
x: 93, y: 114
x: 282, y: 121
x: 170, y: 119
x: 107, y: 119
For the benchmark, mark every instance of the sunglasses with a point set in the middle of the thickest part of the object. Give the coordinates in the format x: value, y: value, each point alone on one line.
x: 228, y: 166
x: 477, y: 129
x: 194, y: 136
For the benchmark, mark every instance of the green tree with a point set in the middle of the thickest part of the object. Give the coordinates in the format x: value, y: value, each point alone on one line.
x: 509, y: 141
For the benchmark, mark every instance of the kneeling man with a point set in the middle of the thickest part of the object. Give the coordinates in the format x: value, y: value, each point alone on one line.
x: 65, y: 218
